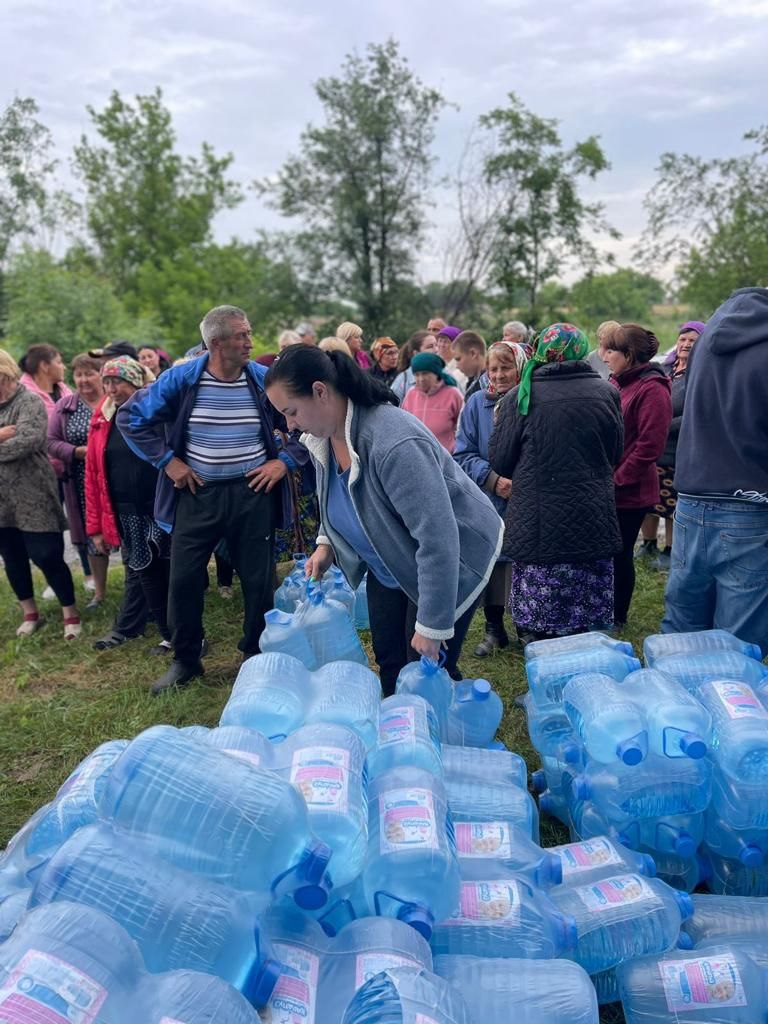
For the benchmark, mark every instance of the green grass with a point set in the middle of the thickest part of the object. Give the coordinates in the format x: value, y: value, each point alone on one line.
x: 59, y: 700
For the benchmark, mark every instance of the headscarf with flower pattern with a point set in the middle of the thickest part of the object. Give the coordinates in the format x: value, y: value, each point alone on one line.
x: 555, y: 344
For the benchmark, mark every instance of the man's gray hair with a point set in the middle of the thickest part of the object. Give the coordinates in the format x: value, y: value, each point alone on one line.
x: 305, y: 327
x: 517, y: 328
x: 216, y: 322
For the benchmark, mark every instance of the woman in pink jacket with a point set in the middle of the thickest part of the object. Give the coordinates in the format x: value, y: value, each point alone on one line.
x: 434, y: 398
x: 42, y: 373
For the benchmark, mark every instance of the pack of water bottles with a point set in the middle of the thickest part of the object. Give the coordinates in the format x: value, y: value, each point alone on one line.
x: 293, y: 590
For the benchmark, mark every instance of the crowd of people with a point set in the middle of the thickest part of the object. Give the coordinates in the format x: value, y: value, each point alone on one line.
x: 516, y: 476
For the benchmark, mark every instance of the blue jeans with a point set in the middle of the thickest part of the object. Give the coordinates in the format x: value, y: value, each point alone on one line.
x: 719, y: 573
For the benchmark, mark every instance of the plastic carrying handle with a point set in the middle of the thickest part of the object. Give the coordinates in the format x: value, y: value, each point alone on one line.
x: 430, y: 667
x: 310, y: 883
x: 417, y: 915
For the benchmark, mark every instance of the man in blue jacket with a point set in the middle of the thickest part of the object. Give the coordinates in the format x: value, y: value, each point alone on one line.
x: 719, y: 573
x: 208, y: 426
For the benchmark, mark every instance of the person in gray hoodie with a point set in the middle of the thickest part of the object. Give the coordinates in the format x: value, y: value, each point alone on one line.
x: 719, y: 573
x: 392, y: 500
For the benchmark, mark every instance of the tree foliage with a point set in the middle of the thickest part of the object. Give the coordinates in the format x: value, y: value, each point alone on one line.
x: 623, y: 295
x: 360, y: 182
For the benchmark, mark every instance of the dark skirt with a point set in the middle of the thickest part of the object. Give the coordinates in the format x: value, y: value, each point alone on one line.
x: 667, y: 493
x: 565, y: 598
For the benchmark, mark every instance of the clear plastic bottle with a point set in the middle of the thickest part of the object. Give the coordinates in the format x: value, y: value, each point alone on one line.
x: 677, y: 724
x: 573, y: 644
x: 246, y: 744
x: 593, y: 859
x: 611, y: 727
x: 548, y: 676
x: 721, y: 918
x: 504, y: 916
x: 212, y: 814
x: 620, y: 918
x: 426, y: 678
x: 541, y: 992
x: 484, y: 845
x: 186, y: 997
x: 661, y: 645
x: 739, y: 804
x: 411, y: 872
x: 407, y: 995
x: 676, y: 835
x: 729, y: 877
x: 408, y: 735
x: 271, y: 694
x: 474, y: 715
x: 178, y: 920
x: 551, y: 732
x: 472, y: 799
x: 721, y: 985
x: 684, y: 873
x: 329, y: 629
x: 748, y: 845
x: 691, y: 670
x: 347, y: 693
x: 740, y: 741
x: 335, y: 586
x: 503, y: 767
x: 361, y: 605
x: 294, y: 587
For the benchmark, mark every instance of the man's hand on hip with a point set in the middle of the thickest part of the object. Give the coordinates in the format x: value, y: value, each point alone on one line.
x: 183, y: 475
x: 267, y: 475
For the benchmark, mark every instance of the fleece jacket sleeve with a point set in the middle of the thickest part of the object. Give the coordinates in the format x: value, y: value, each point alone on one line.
x: 467, y: 450
x: 654, y: 414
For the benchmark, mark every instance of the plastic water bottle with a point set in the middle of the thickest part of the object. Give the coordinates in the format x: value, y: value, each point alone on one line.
x: 691, y: 670
x: 722, y: 918
x: 326, y: 763
x: 12, y: 909
x: 329, y: 629
x: 718, y: 985
x: 474, y: 715
x: 68, y: 963
x: 484, y: 845
x: 246, y: 744
x: 408, y: 735
x: 177, y: 919
x: 407, y: 995
x: 622, y: 917
x: 299, y: 943
x: 271, y: 695
x: 740, y: 804
x: 661, y: 645
x: 684, y: 873
x: 740, y: 744
x: 551, y: 732
x: 748, y: 845
x: 347, y: 693
x: 552, y: 991
x: 426, y: 678
x: 556, y: 776
x: 677, y: 835
x: 610, y: 726
x: 471, y: 799
x: 574, y: 644
x: 212, y: 814
x: 294, y: 586
x: 593, y: 859
x: 284, y: 633
x: 678, y: 725
x: 548, y: 676
x: 502, y: 767
x: 411, y: 872
x: 659, y: 786
x: 730, y: 877
x: 504, y: 916
x: 361, y: 605
x: 335, y: 587
x: 186, y: 997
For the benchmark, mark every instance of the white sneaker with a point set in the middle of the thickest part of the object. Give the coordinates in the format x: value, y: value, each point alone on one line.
x: 48, y: 594
x: 90, y: 585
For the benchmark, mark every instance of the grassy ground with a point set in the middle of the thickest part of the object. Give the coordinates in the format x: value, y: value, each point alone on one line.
x: 59, y: 700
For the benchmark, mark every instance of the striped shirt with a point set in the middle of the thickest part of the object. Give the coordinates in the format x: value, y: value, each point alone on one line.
x: 224, y: 436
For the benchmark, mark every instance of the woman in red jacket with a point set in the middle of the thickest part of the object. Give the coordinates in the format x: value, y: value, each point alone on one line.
x: 646, y: 406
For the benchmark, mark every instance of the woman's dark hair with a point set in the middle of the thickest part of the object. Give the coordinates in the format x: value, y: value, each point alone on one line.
x: 634, y: 341
x: 35, y: 356
x: 410, y: 348
x: 299, y: 366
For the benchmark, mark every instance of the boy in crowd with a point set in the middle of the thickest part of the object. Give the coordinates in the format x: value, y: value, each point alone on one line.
x: 469, y: 356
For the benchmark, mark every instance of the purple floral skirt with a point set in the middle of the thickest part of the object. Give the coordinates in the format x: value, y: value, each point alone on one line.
x: 562, y: 598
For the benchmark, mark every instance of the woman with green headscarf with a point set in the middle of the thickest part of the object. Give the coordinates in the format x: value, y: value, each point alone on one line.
x: 558, y: 437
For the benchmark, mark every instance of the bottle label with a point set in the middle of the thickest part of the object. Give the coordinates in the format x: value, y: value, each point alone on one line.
x: 44, y: 989
x: 293, y: 997
x: 483, y: 839
x: 368, y: 965
x: 739, y: 700
x: 698, y: 984
x: 397, y: 725
x: 407, y: 820
x: 321, y: 775
x: 592, y: 853
x: 488, y: 903
x: 245, y: 755
x: 614, y: 892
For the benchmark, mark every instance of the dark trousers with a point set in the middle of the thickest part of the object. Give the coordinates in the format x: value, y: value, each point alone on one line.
x: 46, y: 550
x: 225, y: 572
x: 630, y: 521
x: 85, y: 565
x: 393, y: 622
x: 245, y: 519
x: 145, y: 595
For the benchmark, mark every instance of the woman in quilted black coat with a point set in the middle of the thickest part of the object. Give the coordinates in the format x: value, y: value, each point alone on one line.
x: 558, y: 437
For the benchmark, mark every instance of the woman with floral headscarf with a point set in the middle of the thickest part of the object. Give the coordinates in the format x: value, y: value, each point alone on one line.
x: 558, y: 437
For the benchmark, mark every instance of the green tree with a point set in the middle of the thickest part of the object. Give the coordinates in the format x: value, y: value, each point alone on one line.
x: 145, y: 202
x: 542, y: 223
x: 712, y: 217
x: 623, y: 295
x: 361, y: 181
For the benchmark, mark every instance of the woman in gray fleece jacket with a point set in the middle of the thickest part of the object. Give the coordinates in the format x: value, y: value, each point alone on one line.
x: 392, y: 501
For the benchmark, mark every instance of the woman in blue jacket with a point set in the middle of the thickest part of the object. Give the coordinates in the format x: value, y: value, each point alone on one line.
x: 393, y: 501
x: 506, y: 360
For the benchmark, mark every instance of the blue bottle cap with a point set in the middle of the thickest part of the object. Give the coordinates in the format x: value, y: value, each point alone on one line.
x: 571, y: 753
x: 569, y: 932
x: 684, y: 904
x: 538, y: 781
x: 310, y: 897
x: 313, y: 893
x: 481, y: 689
x: 751, y: 856
x: 547, y: 804
x: 753, y: 651
x: 693, y: 746
x: 261, y: 981
x: 554, y: 868
x: 419, y: 917
x: 630, y: 752
x: 684, y: 845
x: 429, y: 667
x: 580, y: 788
x: 684, y: 941
x: 647, y: 865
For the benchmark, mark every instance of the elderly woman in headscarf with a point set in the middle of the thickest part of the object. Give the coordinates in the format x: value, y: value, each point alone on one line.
x: 434, y: 398
x: 558, y: 437
x: 506, y: 360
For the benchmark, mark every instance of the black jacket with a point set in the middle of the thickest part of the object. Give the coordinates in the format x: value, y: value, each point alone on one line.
x: 560, y: 458
x: 667, y: 457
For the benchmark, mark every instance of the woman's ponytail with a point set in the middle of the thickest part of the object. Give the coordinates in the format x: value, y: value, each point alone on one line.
x: 298, y: 367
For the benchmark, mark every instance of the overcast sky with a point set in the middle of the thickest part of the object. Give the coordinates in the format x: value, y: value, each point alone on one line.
x: 649, y: 76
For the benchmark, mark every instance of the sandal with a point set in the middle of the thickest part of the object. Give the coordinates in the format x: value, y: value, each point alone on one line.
x: 72, y: 628
x: 30, y: 624
x: 112, y: 639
